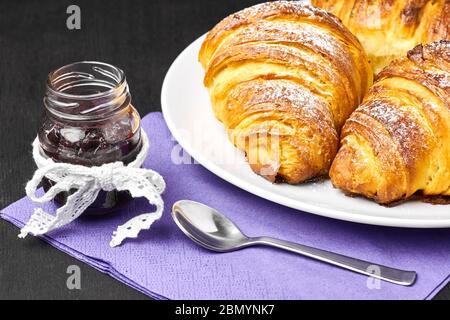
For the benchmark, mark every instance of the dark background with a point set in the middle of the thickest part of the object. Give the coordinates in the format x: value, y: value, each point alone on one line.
x: 142, y: 38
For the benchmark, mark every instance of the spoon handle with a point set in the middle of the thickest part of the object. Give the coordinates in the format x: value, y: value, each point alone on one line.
x: 401, y: 277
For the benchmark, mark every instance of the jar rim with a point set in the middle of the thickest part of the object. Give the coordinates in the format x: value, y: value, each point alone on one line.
x: 118, y: 78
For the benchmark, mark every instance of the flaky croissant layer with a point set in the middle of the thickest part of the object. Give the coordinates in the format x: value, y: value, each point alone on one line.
x: 388, y: 29
x: 397, y: 143
x: 283, y: 77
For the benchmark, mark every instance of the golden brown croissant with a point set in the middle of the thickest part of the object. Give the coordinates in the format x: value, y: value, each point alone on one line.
x: 283, y: 77
x: 388, y: 29
x: 397, y: 142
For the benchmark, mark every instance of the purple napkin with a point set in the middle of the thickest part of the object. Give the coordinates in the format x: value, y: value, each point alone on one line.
x: 164, y: 263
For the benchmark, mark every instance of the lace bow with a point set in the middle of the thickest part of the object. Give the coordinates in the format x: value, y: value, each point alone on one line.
x: 88, y: 181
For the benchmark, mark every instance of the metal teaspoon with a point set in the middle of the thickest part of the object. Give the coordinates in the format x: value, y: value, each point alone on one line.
x: 212, y: 230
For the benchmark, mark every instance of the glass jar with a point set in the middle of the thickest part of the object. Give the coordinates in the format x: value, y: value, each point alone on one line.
x: 89, y: 121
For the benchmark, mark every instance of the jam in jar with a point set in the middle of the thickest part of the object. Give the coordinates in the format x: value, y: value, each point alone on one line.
x: 89, y: 120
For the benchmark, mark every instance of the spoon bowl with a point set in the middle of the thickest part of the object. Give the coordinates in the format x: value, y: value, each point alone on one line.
x: 208, y: 227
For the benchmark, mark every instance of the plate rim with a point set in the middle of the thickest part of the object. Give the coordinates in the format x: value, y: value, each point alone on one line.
x: 269, y: 195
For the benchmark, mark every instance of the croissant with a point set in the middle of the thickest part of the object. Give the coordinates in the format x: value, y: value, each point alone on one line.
x: 388, y: 29
x: 397, y: 143
x: 283, y: 77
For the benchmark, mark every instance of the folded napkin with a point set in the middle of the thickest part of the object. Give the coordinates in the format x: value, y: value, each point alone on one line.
x: 164, y: 263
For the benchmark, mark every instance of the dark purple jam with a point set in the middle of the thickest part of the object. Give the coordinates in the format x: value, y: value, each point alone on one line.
x: 87, y: 146
x: 118, y: 140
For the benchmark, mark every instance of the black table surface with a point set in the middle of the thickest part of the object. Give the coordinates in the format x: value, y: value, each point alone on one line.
x: 142, y: 38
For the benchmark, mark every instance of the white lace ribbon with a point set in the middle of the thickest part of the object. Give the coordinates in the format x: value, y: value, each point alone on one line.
x: 88, y: 181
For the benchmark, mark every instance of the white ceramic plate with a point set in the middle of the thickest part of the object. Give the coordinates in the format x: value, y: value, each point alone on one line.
x: 187, y: 111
